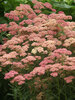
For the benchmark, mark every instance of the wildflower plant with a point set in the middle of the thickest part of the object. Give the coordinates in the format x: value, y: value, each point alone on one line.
x: 38, y: 59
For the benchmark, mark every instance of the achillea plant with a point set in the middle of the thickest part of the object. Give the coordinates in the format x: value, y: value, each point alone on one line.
x: 40, y: 54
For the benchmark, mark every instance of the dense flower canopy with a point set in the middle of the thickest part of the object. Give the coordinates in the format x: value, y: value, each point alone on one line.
x: 40, y: 44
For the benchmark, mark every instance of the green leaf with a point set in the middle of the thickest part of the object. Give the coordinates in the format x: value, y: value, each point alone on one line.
x: 62, y: 5
x: 3, y: 20
x: 9, y: 94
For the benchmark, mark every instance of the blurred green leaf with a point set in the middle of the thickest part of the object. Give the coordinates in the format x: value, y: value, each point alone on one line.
x: 3, y: 20
x: 62, y: 5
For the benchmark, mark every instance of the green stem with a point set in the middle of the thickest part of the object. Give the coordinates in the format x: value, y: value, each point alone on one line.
x: 58, y: 88
x: 65, y: 94
x: 20, y: 95
x: 15, y: 94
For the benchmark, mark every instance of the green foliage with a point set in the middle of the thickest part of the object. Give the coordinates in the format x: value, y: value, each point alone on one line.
x: 48, y: 90
x: 68, y: 6
x: 4, y: 89
x: 11, y: 4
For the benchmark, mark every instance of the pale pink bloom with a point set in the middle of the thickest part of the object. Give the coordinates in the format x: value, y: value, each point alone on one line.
x: 54, y: 10
x: 22, y: 38
x: 10, y: 17
x: 45, y: 52
x: 45, y: 62
x: 70, y: 61
x: 60, y: 12
x: 57, y: 55
x: 30, y: 58
x: 18, y: 64
x: 22, y: 23
x: 53, y: 69
x: 54, y: 74
x: 4, y: 27
x: 13, y: 54
x: 12, y: 32
x: 6, y: 63
x: 38, y: 57
x: 38, y: 70
x: 31, y: 63
x: 29, y: 54
x: 48, y: 5
x: 23, y: 54
x: 69, y: 79
x: 59, y: 16
x: 57, y: 42
x: 16, y: 18
x: 63, y: 37
x: 35, y: 44
x: 28, y: 21
x: 2, y: 60
x: 0, y: 46
x: 21, y: 16
x: 36, y: 6
x: 51, y: 32
x: 10, y: 74
x: 34, y: 1
x: 37, y: 11
x: 69, y: 42
x: 18, y: 78
x: 69, y: 68
x: 17, y: 48
x: 31, y: 16
x: 63, y: 51
x: 12, y: 23
x: 25, y: 48
x: 39, y: 49
x: 24, y: 60
x: 73, y: 67
x: 21, y: 82
x: 28, y: 76
x: 2, y: 52
x: 48, y: 43
x: 6, y: 14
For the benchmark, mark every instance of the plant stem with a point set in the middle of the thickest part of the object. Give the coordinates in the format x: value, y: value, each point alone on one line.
x: 58, y: 89
x: 15, y: 94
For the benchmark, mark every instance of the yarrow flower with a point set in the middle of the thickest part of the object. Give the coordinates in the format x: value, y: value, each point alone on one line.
x: 19, y: 78
x: 39, y: 45
x: 54, y: 74
x: 69, y: 79
x: 10, y: 74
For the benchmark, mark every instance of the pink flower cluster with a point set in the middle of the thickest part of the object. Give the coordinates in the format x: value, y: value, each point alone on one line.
x: 3, y: 27
x: 10, y: 74
x: 19, y: 78
x: 63, y: 51
x: 69, y: 79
